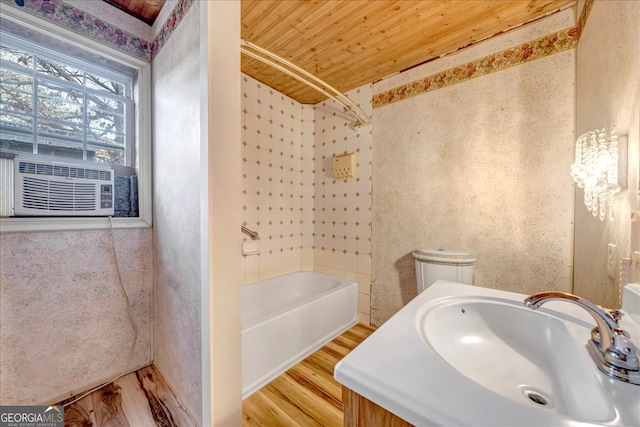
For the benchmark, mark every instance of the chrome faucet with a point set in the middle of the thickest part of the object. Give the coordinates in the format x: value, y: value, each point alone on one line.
x: 610, y: 346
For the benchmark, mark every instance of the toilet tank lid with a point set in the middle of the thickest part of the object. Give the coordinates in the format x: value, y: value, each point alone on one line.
x: 443, y: 255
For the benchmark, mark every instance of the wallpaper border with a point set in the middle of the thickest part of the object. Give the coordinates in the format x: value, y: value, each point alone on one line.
x: 536, y: 49
x: 87, y: 25
x: 169, y: 26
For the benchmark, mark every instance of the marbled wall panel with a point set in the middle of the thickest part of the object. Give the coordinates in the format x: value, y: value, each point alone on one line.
x: 177, y: 198
x: 63, y: 317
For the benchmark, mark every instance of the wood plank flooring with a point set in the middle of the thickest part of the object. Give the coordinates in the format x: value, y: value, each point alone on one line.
x: 139, y: 399
x: 307, y: 394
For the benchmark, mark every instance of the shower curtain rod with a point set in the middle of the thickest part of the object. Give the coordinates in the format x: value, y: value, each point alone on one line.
x: 307, y: 78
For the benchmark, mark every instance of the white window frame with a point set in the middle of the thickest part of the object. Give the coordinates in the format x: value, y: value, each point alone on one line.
x: 142, y: 161
x: 38, y: 79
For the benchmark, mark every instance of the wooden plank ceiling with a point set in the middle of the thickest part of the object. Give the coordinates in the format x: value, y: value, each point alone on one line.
x: 351, y: 43
x: 145, y: 10
x: 348, y: 43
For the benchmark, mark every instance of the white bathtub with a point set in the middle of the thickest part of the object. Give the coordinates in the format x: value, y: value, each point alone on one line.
x: 286, y: 318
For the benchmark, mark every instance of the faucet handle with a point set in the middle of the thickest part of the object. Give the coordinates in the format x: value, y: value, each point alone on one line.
x: 615, y: 314
x: 620, y: 331
x: 596, y: 337
x: 623, y: 353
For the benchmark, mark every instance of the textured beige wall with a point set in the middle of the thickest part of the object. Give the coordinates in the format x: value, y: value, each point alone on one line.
x: 177, y: 207
x: 63, y: 317
x: 481, y: 166
x: 608, y: 94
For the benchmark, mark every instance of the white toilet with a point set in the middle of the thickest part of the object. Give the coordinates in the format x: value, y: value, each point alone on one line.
x: 447, y: 264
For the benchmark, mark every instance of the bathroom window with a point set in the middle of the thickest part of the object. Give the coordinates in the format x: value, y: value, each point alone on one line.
x: 72, y: 99
x: 60, y: 106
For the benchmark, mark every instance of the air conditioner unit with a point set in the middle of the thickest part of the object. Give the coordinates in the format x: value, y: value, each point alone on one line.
x: 61, y: 188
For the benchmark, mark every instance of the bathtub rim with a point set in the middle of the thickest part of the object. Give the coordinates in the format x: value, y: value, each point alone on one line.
x: 344, y: 284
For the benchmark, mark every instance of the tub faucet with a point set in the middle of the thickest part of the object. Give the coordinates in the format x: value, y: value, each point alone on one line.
x: 610, y: 346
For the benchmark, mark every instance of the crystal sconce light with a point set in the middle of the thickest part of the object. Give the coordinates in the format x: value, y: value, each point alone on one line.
x: 596, y: 171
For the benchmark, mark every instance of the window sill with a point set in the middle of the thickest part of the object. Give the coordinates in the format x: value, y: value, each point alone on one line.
x: 29, y: 225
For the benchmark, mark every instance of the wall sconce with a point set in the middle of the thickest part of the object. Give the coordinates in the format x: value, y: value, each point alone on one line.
x: 596, y: 170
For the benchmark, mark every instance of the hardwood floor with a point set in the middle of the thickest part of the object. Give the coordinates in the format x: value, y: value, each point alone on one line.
x: 139, y: 399
x: 307, y: 394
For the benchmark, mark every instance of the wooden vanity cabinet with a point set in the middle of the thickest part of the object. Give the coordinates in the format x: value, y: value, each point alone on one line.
x: 361, y: 412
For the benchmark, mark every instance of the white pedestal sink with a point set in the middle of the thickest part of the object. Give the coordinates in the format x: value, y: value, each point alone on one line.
x: 465, y: 355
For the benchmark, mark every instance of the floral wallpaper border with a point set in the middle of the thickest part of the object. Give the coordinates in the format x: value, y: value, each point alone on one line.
x: 85, y: 24
x: 536, y: 49
x: 78, y: 21
x: 170, y: 25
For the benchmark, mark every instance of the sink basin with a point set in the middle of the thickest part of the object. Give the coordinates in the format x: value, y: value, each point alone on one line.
x: 460, y: 355
x: 527, y: 356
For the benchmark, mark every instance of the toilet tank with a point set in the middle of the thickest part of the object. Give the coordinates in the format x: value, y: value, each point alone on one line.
x: 442, y: 264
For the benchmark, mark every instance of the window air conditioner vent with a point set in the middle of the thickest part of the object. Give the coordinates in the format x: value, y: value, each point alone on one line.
x: 64, y: 171
x: 56, y: 189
